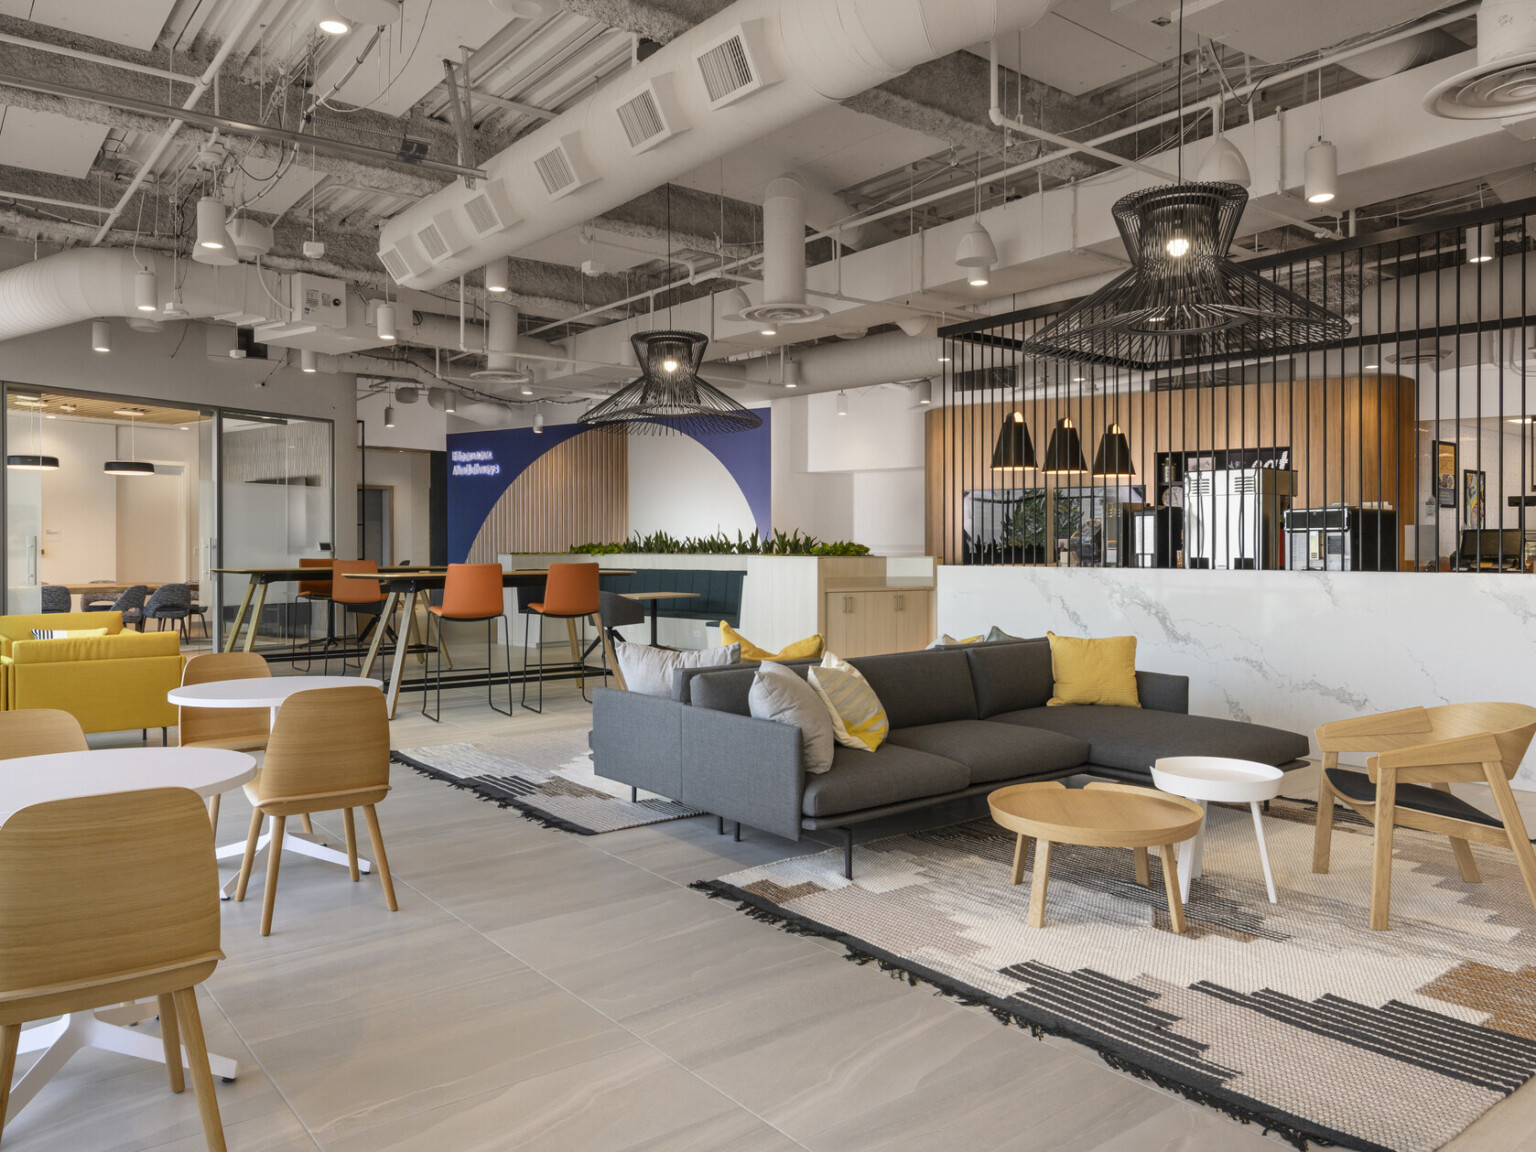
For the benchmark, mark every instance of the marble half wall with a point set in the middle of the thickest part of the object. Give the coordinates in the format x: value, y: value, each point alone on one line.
x: 1291, y: 649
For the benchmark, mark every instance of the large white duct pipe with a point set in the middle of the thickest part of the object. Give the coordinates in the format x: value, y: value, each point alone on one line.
x: 90, y: 283
x: 825, y: 211
x: 436, y: 331
x: 1401, y: 55
x: 883, y: 359
x: 744, y: 73
x: 501, y: 336
x: 783, y: 258
x: 1463, y: 295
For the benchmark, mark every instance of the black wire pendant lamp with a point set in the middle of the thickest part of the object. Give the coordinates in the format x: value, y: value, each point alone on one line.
x: 1182, y: 298
x: 669, y: 395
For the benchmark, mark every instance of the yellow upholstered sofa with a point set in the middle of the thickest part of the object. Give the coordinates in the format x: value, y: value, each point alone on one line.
x: 108, y: 683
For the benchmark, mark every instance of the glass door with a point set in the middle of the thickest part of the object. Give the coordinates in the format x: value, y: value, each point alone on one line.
x: 277, y: 507
x: 25, y: 455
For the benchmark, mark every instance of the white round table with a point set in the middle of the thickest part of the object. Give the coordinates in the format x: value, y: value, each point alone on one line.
x: 268, y: 692
x: 28, y: 780
x: 258, y: 691
x: 1207, y: 778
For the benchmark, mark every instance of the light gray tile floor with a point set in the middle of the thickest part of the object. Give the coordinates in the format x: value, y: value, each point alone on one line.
x: 543, y: 991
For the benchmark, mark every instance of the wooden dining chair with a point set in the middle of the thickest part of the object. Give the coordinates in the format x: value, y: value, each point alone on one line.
x: 39, y: 732
x: 237, y: 729
x: 107, y: 899
x: 329, y: 749
x: 1419, y: 754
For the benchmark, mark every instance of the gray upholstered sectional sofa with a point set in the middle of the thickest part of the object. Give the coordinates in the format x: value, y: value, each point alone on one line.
x: 964, y: 721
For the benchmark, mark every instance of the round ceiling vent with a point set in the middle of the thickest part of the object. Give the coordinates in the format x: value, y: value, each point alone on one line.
x: 502, y: 376
x: 1425, y: 352
x: 1503, y: 83
x: 795, y: 312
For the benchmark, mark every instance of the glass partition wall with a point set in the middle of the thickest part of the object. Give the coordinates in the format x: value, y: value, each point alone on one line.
x: 115, y: 490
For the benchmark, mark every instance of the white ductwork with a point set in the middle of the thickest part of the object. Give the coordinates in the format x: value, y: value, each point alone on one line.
x: 825, y: 211
x: 1503, y: 82
x: 733, y: 79
x: 1464, y: 295
x: 783, y: 258
x: 89, y: 283
x: 501, y: 336
x: 888, y: 358
x: 434, y: 331
x: 1401, y: 55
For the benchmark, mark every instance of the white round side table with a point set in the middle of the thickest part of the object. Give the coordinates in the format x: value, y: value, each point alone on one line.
x: 1207, y: 778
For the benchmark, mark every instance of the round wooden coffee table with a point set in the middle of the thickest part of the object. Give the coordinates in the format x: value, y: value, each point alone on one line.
x: 1102, y: 815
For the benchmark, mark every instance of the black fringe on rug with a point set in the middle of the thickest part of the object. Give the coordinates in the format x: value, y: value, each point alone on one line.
x: 1293, y: 1129
x: 524, y: 809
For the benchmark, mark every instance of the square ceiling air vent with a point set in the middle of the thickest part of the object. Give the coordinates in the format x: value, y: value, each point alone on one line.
x: 489, y: 209
x: 564, y: 168
x: 651, y: 115
x: 405, y: 259
x: 734, y: 64
x: 394, y: 264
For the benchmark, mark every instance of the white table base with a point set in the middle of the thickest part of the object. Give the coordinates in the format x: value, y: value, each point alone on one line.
x: 1193, y: 849
x: 60, y: 1039
x: 291, y: 843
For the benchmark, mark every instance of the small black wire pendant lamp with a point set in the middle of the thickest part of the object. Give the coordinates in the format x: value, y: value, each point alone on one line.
x: 669, y: 395
x: 1182, y: 298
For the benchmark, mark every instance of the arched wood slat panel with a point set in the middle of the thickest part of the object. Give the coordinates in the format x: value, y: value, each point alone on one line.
x: 576, y: 493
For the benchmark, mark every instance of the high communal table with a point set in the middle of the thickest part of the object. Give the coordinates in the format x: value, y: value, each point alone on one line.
x: 267, y: 692
x: 402, y: 588
x: 28, y: 780
x: 653, y: 600
x: 257, y: 581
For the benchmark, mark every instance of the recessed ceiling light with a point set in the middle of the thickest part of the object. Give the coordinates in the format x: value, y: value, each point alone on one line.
x: 184, y: 428
x: 129, y: 411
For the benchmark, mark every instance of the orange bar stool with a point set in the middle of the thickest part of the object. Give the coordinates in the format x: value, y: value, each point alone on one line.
x: 570, y: 593
x: 471, y: 594
x: 360, y: 597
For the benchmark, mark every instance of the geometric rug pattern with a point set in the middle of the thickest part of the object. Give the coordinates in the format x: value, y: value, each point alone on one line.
x: 1294, y: 1015
x: 547, y: 776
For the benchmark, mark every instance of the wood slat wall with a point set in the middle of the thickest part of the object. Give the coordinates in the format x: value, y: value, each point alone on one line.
x: 576, y: 493
x: 1351, y: 440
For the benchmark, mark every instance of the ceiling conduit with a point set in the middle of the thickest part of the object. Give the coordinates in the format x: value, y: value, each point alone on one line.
x: 747, y: 71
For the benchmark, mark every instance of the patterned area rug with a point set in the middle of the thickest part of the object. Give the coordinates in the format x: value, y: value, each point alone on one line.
x: 547, y: 776
x: 1293, y: 1015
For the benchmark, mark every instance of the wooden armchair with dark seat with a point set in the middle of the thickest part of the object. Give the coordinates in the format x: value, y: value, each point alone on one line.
x: 1420, y: 753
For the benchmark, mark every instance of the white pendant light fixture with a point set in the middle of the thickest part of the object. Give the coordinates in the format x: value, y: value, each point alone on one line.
x: 924, y: 392
x: 448, y: 401
x: 130, y: 466
x: 791, y: 373
x: 101, y: 336
x: 496, y: 275
x: 538, y: 420
x: 976, y: 249
x: 212, y: 226
x: 389, y: 416
x: 307, y: 360
x: 842, y: 403
x: 979, y: 277
x: 1481, y: 241
x: 146, y: 291
x: 1322, y: 172
x: 1224, y: 164
x: 385, y: 319
x: 330, y: 21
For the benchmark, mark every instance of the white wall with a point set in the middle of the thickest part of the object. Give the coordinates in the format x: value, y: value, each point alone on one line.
x: 856, y: 477
x: 410, y: 475
x: 677, y: 485
x: 79, y: 504
x: 1289, y: 649
x: 417, y: 425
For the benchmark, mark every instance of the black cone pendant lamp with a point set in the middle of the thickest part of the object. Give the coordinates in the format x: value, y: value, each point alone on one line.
x: 1065, y: 451
x: 1015, y: 451
x: 1114, y: 455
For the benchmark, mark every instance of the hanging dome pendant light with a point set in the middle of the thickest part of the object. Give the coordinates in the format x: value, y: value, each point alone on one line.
x: 1182, y: 298
x: 669, y: 395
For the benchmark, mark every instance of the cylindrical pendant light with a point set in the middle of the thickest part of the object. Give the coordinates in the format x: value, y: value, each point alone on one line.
x: 101, y: 336
x: 307, y: 360
x: 146, y: 292
x: 1481, y: 241
x: 211, y: 229
x: 448, y: 401
x: 389, y: 416
x: 496, y: 275
x: 1322, y: 172
x: 1015, y: 450
x: 980, y: 276
x: 1065, y: 451
x: 385, y: 319
x: 538, y: 421
x: 791, y: 373
x: 925, y: 392
x: 1114, y: 455
x: 842, y: 403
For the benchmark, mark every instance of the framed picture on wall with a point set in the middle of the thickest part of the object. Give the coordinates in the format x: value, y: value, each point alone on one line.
x: 1445, y: 473
x: 1474, y: 487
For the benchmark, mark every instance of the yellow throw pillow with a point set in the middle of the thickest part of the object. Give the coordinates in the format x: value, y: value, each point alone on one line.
x: 858, y: 718
x: 1093, y: 671
x: 808, y: 649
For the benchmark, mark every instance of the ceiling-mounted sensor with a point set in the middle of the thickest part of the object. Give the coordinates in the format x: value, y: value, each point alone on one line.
x: 1503, y: 82
x: 314, y: 249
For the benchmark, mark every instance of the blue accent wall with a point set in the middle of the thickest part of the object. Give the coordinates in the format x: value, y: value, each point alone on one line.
x: 482, y: 465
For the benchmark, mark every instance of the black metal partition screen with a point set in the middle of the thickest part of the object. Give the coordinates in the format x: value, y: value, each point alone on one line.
x: 1409, y: 444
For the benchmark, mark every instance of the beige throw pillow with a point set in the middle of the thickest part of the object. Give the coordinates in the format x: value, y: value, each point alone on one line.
x: 779, y: 695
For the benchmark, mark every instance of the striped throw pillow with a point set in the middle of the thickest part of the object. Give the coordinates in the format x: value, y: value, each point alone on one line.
x: 858, y: 718
x: 65, y: 633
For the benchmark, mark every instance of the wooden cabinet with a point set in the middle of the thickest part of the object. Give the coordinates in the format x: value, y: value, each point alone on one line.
x: 873, y: 621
